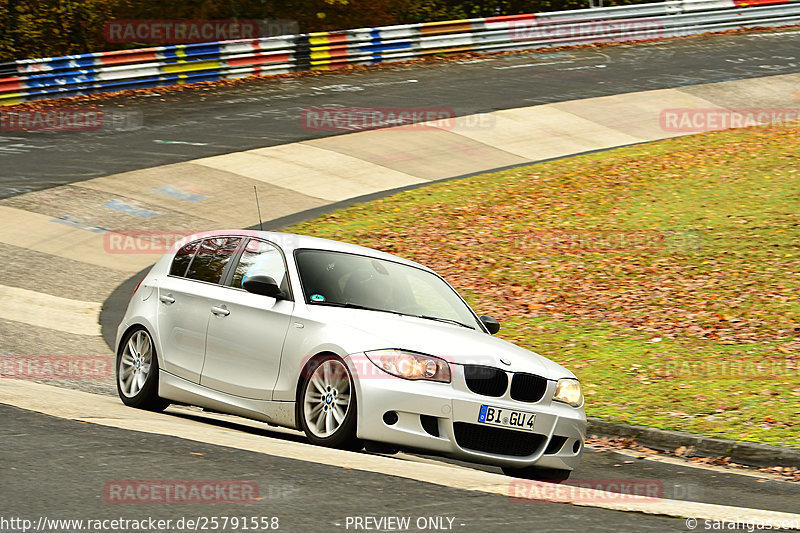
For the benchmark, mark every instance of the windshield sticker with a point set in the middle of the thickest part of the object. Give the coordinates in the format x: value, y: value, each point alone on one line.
x: 317, y: 298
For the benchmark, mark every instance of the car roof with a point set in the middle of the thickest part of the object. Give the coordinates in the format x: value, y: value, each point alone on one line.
x: 289, y: 242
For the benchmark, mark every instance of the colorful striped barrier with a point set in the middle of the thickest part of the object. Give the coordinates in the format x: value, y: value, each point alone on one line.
x: 32, y: 79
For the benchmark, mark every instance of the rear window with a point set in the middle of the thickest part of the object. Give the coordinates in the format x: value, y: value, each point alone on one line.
x: 211, y: 258
x: 182, y: 259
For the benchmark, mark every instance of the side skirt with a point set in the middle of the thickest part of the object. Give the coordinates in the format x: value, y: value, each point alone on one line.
x: 174, y: 388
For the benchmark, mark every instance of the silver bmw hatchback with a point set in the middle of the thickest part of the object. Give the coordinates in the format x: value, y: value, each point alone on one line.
x: 350, y: 345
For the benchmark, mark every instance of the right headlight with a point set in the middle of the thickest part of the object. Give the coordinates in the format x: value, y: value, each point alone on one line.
x: 410, y: 365
x: 568, y: 391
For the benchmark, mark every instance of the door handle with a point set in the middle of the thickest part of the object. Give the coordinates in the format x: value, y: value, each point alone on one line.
x: 220, y: 311
x: 167, y: 299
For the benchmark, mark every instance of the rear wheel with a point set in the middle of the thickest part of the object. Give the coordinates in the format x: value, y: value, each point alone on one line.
x: 137, y: 372
x: 327, y: 404
x: 539, y: 474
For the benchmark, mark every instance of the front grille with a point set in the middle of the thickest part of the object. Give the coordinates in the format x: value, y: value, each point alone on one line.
x: 528, y: 387
x: 486, y: 380
x: 497, y: 440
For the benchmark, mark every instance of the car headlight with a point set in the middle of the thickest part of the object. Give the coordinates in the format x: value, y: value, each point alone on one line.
x: 568, y: 390
x: 410, y: 365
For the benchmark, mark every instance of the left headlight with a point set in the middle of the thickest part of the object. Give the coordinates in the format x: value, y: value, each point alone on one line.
x: 568, y: 390
x: 410, y: 365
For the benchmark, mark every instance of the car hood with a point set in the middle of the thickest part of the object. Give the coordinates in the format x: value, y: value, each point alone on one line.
x: 372, y: 330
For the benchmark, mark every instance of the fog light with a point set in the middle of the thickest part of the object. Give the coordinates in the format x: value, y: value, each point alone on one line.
x: 390, y: 418
x: 577, y: 446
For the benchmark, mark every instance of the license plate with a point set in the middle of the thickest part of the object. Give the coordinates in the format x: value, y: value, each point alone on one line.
x: 506, y: 418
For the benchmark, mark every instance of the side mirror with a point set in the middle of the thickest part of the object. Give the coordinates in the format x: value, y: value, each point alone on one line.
x: 263, y: 285
x: 491, y: 324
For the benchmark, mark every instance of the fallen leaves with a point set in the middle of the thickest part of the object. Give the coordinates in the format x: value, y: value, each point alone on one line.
x: 638, y: 252
x: 522, y: 245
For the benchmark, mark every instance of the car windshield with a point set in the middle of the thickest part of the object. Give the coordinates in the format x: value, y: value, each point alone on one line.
x: 349, y: 280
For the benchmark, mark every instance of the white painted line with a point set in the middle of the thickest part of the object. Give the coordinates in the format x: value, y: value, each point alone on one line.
x: 581, y: 68
x: 526, y: 65
x: 776, y: 34
x: 109, y: 411
x: 159, y: 141
x: 52, y: 312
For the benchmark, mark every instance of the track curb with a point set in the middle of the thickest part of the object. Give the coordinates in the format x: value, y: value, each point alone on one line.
x: 746, y: 453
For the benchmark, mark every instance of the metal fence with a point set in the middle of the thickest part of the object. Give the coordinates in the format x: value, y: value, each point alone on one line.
x: 31, y: 79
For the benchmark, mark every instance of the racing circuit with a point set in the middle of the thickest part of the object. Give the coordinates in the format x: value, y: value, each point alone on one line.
x: 192, y: 166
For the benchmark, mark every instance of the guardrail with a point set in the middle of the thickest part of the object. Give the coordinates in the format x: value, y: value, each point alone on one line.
x: 32, y: 79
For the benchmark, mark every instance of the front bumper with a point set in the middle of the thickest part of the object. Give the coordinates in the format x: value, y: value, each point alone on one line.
x: 443, y: 418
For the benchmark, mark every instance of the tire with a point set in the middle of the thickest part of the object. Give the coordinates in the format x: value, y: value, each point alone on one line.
x: 327, y: 404
x: 553, y: 475
x: 137, y: 372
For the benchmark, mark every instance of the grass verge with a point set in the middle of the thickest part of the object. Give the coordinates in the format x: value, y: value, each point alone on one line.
x: 665, y: 275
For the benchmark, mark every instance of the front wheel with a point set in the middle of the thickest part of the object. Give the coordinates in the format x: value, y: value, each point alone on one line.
x: 137, y: 372
x: 553, y: 475
x: 327, y: 404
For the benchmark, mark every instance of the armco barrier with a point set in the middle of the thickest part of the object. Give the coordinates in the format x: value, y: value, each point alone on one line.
x: 32, y: 79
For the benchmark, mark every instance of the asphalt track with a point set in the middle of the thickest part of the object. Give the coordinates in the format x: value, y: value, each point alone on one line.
x: 303, y: 495
x: 267, y: 113
x: 91, y: 450
x: 43, y: 455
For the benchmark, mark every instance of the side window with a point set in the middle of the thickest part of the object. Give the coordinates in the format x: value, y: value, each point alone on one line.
x: 260, y: 257
x: 211, y: 257
x: 323, y: 275
x: 183, y: 258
